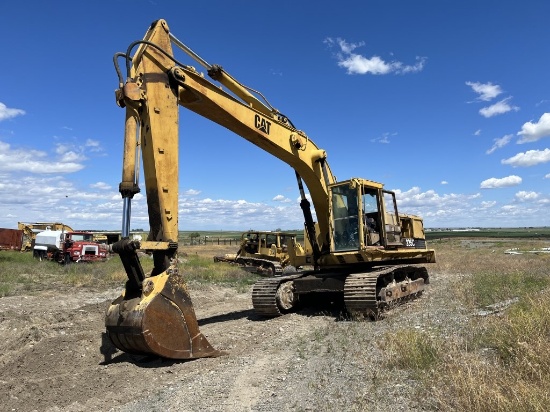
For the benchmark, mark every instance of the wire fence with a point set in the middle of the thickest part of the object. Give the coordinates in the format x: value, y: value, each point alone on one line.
x: 212, y: 240
x: 208, y: 240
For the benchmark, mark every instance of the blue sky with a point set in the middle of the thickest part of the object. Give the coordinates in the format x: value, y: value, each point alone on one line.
x: 445, y: 102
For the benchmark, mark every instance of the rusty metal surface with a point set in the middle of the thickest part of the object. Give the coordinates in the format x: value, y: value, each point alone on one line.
x: 161, y: 322
x: 11, y: 239
x: 400, y: 290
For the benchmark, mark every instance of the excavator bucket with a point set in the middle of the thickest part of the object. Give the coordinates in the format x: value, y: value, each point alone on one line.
x: 161, y: 321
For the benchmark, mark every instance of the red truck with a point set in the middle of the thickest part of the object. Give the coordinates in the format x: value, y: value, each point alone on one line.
x: 67, y: 247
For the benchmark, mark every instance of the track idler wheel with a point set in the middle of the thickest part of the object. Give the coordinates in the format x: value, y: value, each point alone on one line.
x: 286, y: 298
x: 161, y: 321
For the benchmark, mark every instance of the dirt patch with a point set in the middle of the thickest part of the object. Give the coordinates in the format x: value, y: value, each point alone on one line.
x: 54, y: 357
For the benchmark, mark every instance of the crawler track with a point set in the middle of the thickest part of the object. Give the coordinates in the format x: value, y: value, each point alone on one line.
x: 365, y: 294
x: 262, y: 267
x: 360, y: 295
x: 264, y: 295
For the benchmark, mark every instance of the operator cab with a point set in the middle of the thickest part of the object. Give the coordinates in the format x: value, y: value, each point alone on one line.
x: 364, y: 215
x: 268, y: 243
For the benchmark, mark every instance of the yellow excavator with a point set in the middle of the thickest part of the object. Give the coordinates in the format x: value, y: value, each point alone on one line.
x: 362, y: 248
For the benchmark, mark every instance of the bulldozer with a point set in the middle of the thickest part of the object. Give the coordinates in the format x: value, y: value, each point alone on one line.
x: 267, y: 254
x: 362, y: 248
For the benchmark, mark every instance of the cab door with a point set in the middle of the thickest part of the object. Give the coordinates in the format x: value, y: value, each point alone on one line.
x: 345, y: 218
x: 392, y: 229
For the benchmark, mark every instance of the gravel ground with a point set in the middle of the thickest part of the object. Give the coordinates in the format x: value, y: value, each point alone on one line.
x: 53, y: 357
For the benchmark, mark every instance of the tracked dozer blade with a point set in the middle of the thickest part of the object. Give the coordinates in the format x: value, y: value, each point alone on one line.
x: 161, y: 321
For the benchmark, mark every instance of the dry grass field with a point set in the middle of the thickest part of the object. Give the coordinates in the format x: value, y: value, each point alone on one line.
x: 477, y: 340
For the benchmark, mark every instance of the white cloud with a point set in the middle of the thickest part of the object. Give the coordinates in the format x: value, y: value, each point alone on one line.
x: 477, y: 132
x: 385, y: 138
x: 462, y: 210
x: 494, y: 183
x: 281, y: 198
x: 503, y: 141
x: 358, y: 64
x: 444, y: 182
x: 529, y: 158
x: 62, y: 148
x: 498, y: 108
x: 527, y: 196
x: 74, y: 152
x: 55, y: 198
x: 93, y: 145
x: 101, y: 186
x: 18, y: 160
x: 38, y: 198
x: 414, y: 197
x: 547, y: 176
x: 485, y: 91
x: 531, y: 132
x: 191, y: 192
x: 488, y: 204
x: 7, y: 113
x: 71, y: 156
x: 511, y: 209
x: 238, y: 214
x: 454, y: 209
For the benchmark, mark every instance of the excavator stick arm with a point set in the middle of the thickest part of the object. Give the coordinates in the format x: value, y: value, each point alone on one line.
x: 154, y: 314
